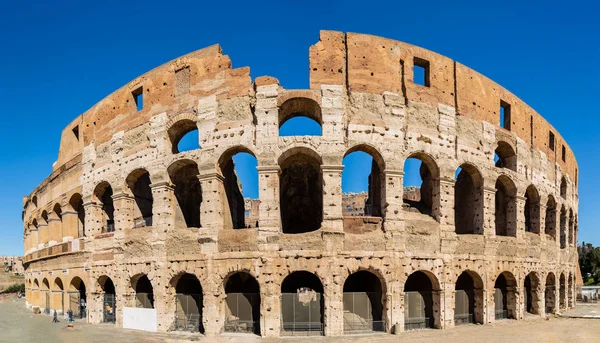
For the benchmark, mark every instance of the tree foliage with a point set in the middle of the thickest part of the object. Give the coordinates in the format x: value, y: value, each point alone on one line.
x: 589, y: 261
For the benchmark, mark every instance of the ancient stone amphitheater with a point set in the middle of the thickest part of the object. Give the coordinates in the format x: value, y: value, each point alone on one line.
x: 129, y: 230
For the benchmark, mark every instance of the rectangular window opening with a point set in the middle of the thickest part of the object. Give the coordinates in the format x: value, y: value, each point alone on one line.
x: 564, y: 154
x: 504, y: 115
x: 421, y: 72
x: 551, y: 140
x: 138, y: 96
x: 76, y: 132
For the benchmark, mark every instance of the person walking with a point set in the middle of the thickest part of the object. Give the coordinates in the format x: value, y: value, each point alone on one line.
x: 55, y: 320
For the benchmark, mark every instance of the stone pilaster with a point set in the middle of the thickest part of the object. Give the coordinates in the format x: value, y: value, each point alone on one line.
x: 70, y: 222
x: 489, y: 212
x: 93, y: 218
x: 332, y: 111
x: 163, y: 209
x: 54, y: 230
x: 211, y: 210
x: 123, y: 203
x: 43, y: 234
x: 394, y: 219
x: 519, y: 210
x: 269, y: 216
x: 334, y: 306
x: 333, y: 224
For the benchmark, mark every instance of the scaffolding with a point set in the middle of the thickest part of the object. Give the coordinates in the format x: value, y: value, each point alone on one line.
x: 302, y: 314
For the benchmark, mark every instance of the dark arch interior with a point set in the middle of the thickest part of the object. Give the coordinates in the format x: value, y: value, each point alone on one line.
x: 104, y: 195
x: 363, y: 302
x: 562, y: 295
x: 529, y: 296
x: 243, y: 304
x: 563, y: 228
x: 418, y: 302
x: 189, y: 304
x: 142, y: 194
x: 302, y: 303
x: 505, y: 156
x: 505, y: 210
x: 109, y: 307
x: 550, y: 293
x: 550, y: 219
x: 78, y: 298
x: 301, y: 194
x: 108, y: 287
x: 563, y: 187
x: 504, y: 298
x: 144, y: 293
x: 464, y: 300
x: 76, y: 203
x: 468, y: 201
x: 532, y: 210
x: 188, y: 193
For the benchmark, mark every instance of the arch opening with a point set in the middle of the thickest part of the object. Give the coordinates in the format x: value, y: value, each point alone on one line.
x: 505, y: 157
x: 240, y: 183
x: 301, y: 192
x: 188, y: 193
x: 505, y: 297
x: 421, y: 301
x: 362, y: 186
x: 300, y: 117
x: 563, y: 187
x: 242, y: 304
x: 468, y: 299
x: 58, y: 296
x: 109, y: 309
x: 103, y: 195
x: 563, y: 227
x: 562, y: 292
x: 468, y: 201
x: 550, y: 293
x: 570, y: 297
x: 302, y: 304
x: 421, y: 185
x: 532, y: 294
x: 76, y: 203
x: 188, y: 304
x: 184, y: 136
x: 506, y: 213
x: 139, y: 185
x: 144, y: 292
x: 363, y: 303
x: 550, y: 219
x: 571, y: 229
x: 77, y: 298
x: 532, y: 210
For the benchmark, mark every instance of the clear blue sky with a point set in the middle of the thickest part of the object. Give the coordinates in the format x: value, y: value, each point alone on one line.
x: 59, y: 58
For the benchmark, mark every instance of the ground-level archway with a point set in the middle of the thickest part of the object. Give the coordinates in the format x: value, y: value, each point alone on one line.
x: 468, y: 299
x: 550, y: 293
x: 302, y: 304
x: 421, y: 301
x: 77, y: 298
x: 562, y: 292
x: 242, y: 304
x: 363, y: 303
x: 532, y: 293
x: 188, y: 303
x: 505, y: 297
x: 109, y: 301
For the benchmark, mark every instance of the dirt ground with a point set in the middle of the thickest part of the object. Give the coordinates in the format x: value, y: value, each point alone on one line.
x: 17, y: 324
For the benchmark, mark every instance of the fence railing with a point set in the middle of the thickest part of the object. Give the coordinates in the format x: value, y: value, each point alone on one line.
x: 188, y: 313
x: 363, y: 312
x: 241, y: 314
x: 109, y: 308
x: 302, y: 314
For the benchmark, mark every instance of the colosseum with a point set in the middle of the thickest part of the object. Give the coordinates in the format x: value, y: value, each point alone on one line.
x: 129, y: 230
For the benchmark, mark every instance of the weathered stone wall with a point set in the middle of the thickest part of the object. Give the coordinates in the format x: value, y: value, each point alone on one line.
x: 363, y: 95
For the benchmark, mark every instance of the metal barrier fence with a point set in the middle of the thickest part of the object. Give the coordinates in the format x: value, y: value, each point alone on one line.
x: 464, y: 302
x: 363, y: 312
x: 500, y: 304
x: 188, y: 312
x: 109, y: 308
x: 242, y: 312
x: 302, y: 314
x: 418, y: 307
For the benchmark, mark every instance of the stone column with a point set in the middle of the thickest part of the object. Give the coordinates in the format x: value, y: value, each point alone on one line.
x: 520, y: 217
x: 333, y: 224
x: 489, y: 212
x: 393, y: 224
x: 70, y: 220
x: 211, y: 317
x: 93, y: 218
x: 163, y: 209
x: 269, y: 216
x: 334, y: 305
x: 211, y: 210
x: 447, y: 229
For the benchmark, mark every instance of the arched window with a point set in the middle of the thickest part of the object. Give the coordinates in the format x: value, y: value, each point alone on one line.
x: 242, y: 304
x: 300, y: 191
x: 78, y: 298
x: 505, y: 207
x: 563, y: 187
x: 76, y: 203
x: 300, y: 117
x: 184, y: 136
x: 302, y: 304
x: 421, y: 301
x: 563, y: 227
x: 188, y: 193
x: 103, y: 195
x: 505, y: 296
x: 109, y: 310
x: 468, y: 299
x: 240, y: 175
x: 421, y: 185
x: 468, y: 200
x: 571, y: 228
x: 532, y: 210
x: 362, y: 183
x: 532, y: 293
x: 550, y: 293
x: 138, y: 183
x: 144, y: 292
x: 363, y: 303
x: 550, y: 220
x: 188, y: 303
x: 562, y: 292
x: 505, y: 156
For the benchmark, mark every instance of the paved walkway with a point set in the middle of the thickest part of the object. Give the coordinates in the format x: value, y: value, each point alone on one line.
x: 584, y: 311
x: 17, y: 324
